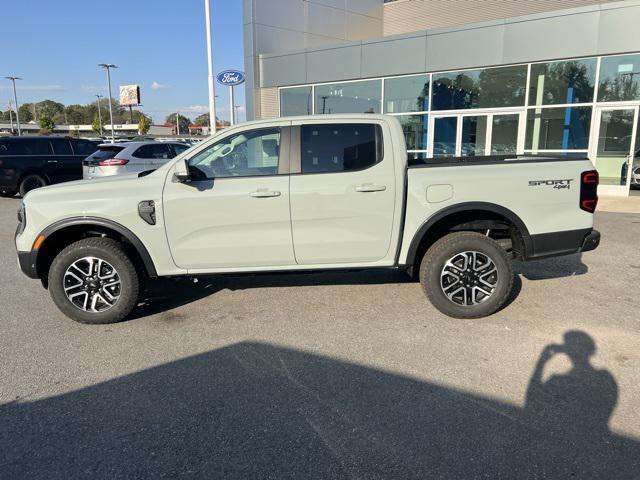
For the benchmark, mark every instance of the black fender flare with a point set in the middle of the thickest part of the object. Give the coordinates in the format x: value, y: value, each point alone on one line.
x: 461, y: 207
x: 110, y: 224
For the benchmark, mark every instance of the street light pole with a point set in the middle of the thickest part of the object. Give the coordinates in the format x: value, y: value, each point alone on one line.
x: 178, y: 123
x: 108, y: 67
x: 212, y: 91
x: 15, y: 100
x: 11, y: 116
x: 99, y: 112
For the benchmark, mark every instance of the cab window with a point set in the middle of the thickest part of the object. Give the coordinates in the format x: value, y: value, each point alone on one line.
x: 246, y: 154
x: 327, y: 148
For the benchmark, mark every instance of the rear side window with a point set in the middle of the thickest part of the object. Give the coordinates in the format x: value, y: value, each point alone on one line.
x: 83, y: 147
x: 61, y: 146
x: 157, y: 151
x: 180, y: 147
x: 105, y: 153
x: 340, y: 147
x: 23, y: 146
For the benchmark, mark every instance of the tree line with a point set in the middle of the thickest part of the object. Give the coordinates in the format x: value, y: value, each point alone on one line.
x: 49, y: 113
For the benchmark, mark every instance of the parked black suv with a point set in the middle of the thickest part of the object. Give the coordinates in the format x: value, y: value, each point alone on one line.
x: 31, y: 162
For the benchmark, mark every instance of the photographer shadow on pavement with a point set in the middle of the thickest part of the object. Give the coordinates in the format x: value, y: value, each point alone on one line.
x: 577, y: 403
x: 260, y: 410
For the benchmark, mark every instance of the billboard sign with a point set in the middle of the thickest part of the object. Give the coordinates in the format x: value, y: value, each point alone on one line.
x: 129, y: 95
x: 230, y: 78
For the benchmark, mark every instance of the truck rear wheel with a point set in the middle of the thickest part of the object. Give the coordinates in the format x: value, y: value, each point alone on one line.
x: 466, y: 275
x: 94, y: 281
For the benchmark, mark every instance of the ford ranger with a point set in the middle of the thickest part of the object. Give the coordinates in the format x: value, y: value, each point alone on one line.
x: 307, y: 193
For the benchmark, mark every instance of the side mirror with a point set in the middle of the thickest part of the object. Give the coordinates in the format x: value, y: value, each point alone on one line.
x: 181, y: 173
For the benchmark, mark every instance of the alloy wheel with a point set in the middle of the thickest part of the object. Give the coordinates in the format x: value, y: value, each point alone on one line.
x: 92, y: 284
x: 469, y: 278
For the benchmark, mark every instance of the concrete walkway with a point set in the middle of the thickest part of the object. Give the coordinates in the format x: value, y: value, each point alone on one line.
x: 629, y: 204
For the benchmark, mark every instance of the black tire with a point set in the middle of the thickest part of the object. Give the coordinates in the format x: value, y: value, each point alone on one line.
x: 452, y: 247
x: 30, y: 182
x: 7, y: 193
x: 109, y: 251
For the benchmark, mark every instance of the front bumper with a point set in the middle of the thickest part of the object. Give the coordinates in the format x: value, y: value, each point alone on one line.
x: 27, y: 261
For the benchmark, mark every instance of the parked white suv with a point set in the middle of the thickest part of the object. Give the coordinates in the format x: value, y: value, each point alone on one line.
x: 129, y: 157
x: 307, y: 193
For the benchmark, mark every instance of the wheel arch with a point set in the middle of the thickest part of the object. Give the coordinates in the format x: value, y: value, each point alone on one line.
x: 64, y: 232
x: 466, y: 216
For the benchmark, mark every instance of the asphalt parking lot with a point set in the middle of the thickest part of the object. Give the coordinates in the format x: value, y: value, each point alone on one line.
x: 341, y: 375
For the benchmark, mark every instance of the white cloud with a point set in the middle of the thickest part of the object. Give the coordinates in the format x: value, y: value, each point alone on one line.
x: 94, y: 88
x: 157, y: 86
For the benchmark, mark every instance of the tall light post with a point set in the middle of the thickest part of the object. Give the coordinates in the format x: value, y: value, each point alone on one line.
x: 15, y: 100
x: 11, y: 115
x: 108, y: 67
x: 212, y: 90
x: 98, y: 96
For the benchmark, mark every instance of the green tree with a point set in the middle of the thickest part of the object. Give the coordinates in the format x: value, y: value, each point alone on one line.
x: 26, y: 112
x: 144, y: 124
x: 49, y: 108
x: 202, y: 120
x: 96, y: 125
x: 46, y: 124
x: 184, y: 123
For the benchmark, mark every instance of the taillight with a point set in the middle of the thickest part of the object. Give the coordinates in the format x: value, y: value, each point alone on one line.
x: 113, y: 162
x: 589, y: 190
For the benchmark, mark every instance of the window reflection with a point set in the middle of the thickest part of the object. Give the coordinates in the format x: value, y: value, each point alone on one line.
x: 415, y: 131
x: 295, y: 101
x: 619, y: 78
x: 562, y: 82
x: 558, y: 128
x: 483, y: 88
x: 406, y: 94
x: 352, y: 97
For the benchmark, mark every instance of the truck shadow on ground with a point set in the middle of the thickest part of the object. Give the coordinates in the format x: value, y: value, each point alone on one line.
x: 166, y: 294
x: 254, y: 410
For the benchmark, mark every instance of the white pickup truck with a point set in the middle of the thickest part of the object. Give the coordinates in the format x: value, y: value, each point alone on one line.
x: 307, y: 193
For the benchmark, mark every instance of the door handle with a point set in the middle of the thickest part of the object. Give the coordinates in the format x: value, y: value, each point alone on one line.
x: 370, y: 187
x: 265, y: 193
x: 52, y: 161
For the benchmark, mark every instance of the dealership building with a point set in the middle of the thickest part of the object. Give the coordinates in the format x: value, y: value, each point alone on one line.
x: 464, y: 77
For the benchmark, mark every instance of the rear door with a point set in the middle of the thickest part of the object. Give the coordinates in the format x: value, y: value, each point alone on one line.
x: 342, y: 194
x: 149, y: 157
x: 65, y: 166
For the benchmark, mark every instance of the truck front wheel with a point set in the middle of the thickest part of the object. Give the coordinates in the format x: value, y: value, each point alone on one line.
x: 94, y: 281
x: 466, y: 275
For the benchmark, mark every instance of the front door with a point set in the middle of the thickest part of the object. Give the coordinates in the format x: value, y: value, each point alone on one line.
x: 475, y: 134
x: 234, y: 213
x: 343, y: 193
x: 613, y: 152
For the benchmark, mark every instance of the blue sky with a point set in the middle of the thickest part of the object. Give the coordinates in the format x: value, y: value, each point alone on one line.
x: 55, y: 46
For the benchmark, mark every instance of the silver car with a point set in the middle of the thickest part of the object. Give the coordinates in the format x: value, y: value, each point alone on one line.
x: 129, y: 158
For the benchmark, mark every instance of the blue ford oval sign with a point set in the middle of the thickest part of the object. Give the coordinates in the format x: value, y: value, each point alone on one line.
x: 230, y: 78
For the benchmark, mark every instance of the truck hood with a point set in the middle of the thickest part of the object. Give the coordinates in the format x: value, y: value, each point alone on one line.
x: 96, y: 197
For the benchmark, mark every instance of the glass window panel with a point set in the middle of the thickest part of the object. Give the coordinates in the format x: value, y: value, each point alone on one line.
x: 415, y: 131
x: 504, y: 134
x: 340, y: 147
x: 562, y: 82
x: 619, y: 78
x: 246, y: 154
x: 485, y: 88
x: 352, y: 97
x: 444, y: 136
x: 295, y: 101
x: 406, y: 94
x: 614, y: 145
x: 558, y: 128
x: 474, y: 135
